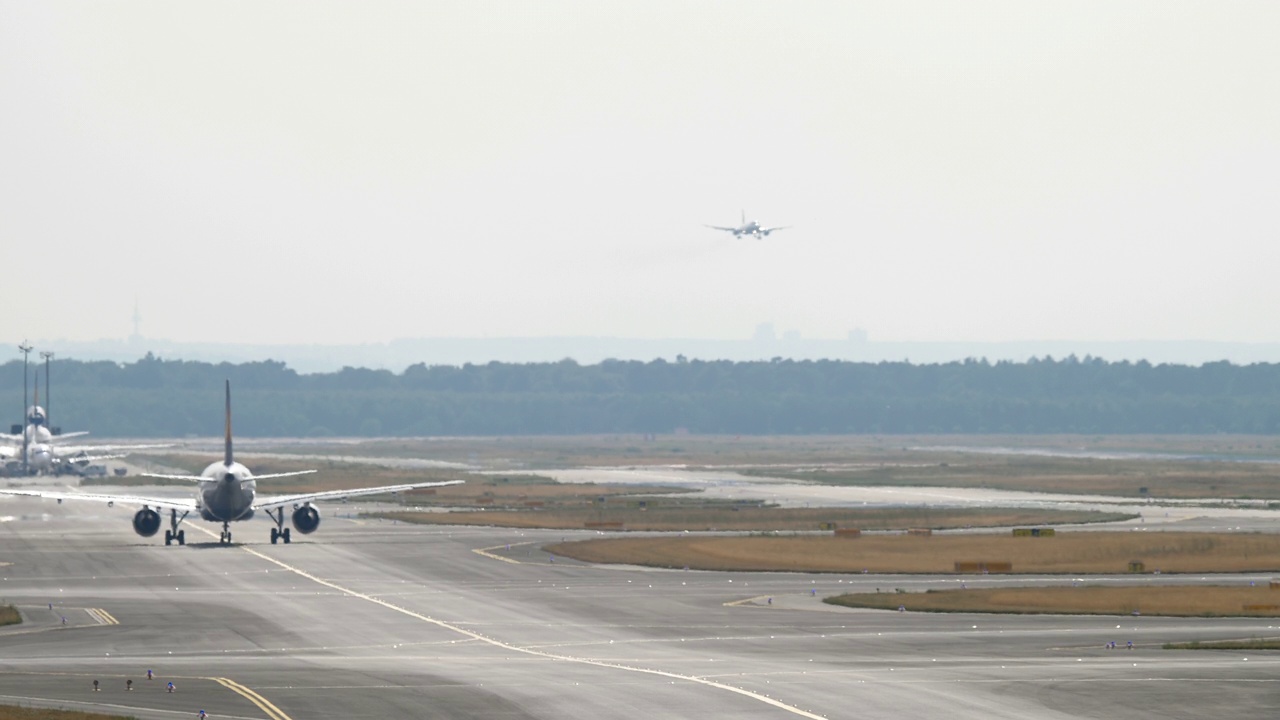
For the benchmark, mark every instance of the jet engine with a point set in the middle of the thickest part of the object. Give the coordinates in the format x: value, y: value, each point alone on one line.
x: 306, y: 519
x: 146, y: 522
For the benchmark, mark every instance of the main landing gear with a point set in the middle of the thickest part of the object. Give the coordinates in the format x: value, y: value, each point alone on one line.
x: 225, y: 538
x: 173, y: 533
x: 279, y: 532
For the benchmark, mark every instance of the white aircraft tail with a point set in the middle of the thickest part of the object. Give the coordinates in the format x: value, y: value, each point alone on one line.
x: 227, y: 459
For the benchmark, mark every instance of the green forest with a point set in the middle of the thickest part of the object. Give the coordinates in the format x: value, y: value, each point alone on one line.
x: 172, y: 398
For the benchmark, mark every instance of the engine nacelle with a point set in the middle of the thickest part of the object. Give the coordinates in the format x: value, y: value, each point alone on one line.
x: 146, y: 522
x: 306, y: 519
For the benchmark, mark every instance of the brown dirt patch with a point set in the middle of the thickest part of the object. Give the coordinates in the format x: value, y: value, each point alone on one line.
x: 1181, y: 601
x: 658, y: 516
x: 1075, y: 553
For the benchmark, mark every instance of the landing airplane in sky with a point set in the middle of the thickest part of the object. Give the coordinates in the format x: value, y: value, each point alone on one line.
x: 226, y: 493
x: 751, y: 228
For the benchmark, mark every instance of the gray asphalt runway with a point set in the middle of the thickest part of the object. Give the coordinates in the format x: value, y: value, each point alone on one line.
x: 380, y: 620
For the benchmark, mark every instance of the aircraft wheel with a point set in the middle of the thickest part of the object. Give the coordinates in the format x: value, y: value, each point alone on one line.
x: 168, y: 537
x: 285, y: 534
x: 275, y: 535
x: 182, y: 537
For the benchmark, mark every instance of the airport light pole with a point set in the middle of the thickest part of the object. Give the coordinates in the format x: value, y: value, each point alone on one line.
x: 48, y: 400
x: 25, y: 348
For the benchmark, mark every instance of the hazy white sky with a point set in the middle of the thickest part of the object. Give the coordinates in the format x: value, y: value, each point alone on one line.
x: 362, y: 171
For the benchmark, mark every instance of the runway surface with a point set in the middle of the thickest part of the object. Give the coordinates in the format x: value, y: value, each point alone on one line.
x: 369, y: 619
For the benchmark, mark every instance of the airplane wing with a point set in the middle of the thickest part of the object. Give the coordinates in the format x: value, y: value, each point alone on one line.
x: 272, y: 503
x: 165, y: 503
x: 77, y: 433
x: 766, y: 231
x: 84, y: 458
x: 717, y: 227
x: 71, y: 449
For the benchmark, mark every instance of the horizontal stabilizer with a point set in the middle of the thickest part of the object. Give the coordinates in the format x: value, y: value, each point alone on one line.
x: 66, y: 449
x: 272, y: 476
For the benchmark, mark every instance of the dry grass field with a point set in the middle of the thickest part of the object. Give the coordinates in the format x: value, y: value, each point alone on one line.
x: 1138, y: 478
x: 527, y: 500
x: 12, y: 712
x: 1185, y: 600
x: 1074, y: 553
x: 661, y: 515
x: 1210, y: 467
x: 1153, y: 479
x: 9, y: 615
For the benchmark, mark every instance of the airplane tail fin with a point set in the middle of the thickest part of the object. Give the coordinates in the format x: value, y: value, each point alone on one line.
x: 744, y: 217
x: 227, y: 459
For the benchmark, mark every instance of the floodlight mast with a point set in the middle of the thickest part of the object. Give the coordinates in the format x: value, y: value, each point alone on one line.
x: 48, y: 399
x: 25, y: 348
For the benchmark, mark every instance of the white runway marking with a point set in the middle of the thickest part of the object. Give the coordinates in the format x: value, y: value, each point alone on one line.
x: 527, y: 651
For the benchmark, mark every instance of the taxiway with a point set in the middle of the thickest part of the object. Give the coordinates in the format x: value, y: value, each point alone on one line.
x: 370, y: 619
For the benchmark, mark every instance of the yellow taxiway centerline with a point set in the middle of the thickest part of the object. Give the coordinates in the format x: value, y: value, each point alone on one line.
x: 102, y: 616
x: 263, y: 704
x: 486, y: 552
x: 745, y: 601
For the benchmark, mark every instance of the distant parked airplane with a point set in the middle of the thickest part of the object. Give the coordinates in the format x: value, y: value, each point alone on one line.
x: 42, y: 450
x: 226, y: 493
x: 751, y: 228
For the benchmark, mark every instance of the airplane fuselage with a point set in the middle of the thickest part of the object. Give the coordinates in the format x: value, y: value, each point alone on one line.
x: 226, y: 492
x: 38, y: 434
x: 40, y: 457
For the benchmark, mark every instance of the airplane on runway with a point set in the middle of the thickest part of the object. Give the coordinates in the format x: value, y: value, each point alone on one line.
x: 36, y: 443
x: 751, y: 228
x: 226, y: 493
x: 37, y: 428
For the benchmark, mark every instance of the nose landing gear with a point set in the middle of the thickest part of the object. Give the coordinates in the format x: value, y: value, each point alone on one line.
x: 225, y: 538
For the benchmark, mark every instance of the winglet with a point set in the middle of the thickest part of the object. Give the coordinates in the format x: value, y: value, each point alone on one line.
x: 227, y: 460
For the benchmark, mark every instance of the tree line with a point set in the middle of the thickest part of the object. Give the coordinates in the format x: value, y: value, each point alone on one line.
x: 153, y: 397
